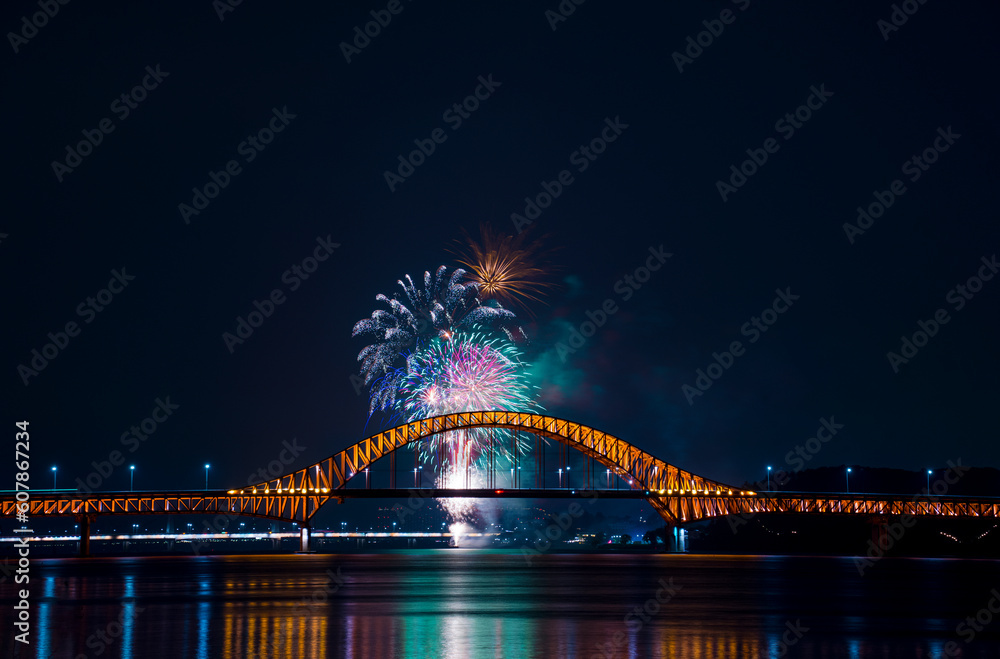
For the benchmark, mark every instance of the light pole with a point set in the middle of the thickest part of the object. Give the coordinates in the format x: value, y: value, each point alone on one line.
x: 848, y: 476
x: 131, y: 479
x: 609, y: 479
x: 414, y: 477
x: 768, y: 479
x: 206, y: 476
x: 560, y: 478
x: 567, y: 474
x: 928, y: 481
x: 54, y: 471
x: 367, y: 484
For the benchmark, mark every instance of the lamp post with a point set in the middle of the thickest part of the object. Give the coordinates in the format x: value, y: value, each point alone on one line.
x: 769, y: 479
x: 560, y: 478
x: 206, y: 476
x: 609, y: 479
x: 131, y: 478
x: 928, y: 481
x: 567, y: 475
x: 848, y: 476
x: 54, y: 472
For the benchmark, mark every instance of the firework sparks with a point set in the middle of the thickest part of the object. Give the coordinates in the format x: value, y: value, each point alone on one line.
x: 505, y: 267
x: 465, y: 373
x: 444, y: 306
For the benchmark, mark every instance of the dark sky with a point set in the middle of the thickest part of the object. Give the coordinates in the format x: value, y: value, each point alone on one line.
x: 346, y: 123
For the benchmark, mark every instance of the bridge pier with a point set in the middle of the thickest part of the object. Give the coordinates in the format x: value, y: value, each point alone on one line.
x: 880, y: 531
x: 676, y: 540
x: 83, y: 522
x: 304, y: 531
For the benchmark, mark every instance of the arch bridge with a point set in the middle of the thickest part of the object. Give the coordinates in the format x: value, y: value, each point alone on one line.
x: 679, y: 496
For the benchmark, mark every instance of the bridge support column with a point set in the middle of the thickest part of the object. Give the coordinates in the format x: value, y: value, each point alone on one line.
x: 676, y: 538
x: 83, y: 522
x: 304, y: 531
x: 880, y: 531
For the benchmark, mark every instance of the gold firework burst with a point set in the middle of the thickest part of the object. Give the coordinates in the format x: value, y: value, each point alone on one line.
x: 504, y: 267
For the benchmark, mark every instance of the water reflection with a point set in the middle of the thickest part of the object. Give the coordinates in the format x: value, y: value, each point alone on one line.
x: 477, y: 604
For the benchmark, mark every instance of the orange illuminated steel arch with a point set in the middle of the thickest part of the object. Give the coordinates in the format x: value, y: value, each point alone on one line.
x: 320, y: 481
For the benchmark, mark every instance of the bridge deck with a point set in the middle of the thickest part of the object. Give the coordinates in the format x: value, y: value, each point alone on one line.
x: 681, y: 507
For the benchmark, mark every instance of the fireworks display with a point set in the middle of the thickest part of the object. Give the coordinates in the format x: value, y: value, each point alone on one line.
x: 505, y: 267
x: 450, y: 347
x: 445, y: 305
x: 464, y: 373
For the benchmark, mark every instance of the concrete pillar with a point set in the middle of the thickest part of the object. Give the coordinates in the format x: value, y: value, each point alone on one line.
x: 304, y: 538
x: 880, y: 530
x: 84, y: 524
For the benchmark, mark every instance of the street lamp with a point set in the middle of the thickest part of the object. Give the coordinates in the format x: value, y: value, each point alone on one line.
x: 928, y: 481
x: 366, y: 478
x: 54, y: 470
x: 560, y: 478
x: 768, y: 479
x: 131, y: 479
x: 848, y: 476
x: 609, y: 479
x: 206, y: 476
x: 567, y: 475
x: 414, y: 477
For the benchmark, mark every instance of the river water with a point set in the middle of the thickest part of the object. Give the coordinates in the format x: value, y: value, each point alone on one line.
x: 469, y: 603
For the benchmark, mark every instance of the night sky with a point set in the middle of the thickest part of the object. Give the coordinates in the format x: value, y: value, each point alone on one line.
x: 869, y: 99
